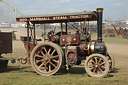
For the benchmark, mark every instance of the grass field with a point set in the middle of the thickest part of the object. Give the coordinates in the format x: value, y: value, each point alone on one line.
x: 15, y: 75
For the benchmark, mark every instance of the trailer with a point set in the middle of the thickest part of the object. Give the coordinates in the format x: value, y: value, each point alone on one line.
x: 5, y: 47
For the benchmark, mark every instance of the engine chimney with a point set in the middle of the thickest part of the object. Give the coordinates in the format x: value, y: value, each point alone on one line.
x: 99, y: 24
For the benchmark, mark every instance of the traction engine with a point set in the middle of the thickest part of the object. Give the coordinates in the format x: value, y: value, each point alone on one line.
x: 63, y: 50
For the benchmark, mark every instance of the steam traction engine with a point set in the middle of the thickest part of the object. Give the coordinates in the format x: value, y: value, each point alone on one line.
x: 62, y: 50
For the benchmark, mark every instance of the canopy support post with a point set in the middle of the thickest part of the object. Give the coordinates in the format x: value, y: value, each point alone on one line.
x: 28, y: 42
x: 34, y: 40
x: 61, y: 28
x: 66, y: 27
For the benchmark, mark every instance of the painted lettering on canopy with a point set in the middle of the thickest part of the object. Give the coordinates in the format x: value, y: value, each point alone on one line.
x: 54, y: 18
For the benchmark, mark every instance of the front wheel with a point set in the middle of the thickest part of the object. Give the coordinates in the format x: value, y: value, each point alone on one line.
x: 97, y: 65
x: 46, y: 58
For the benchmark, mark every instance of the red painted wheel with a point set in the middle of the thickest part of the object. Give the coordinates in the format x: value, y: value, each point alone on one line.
x: 97, y: 65
x: 46, y: 58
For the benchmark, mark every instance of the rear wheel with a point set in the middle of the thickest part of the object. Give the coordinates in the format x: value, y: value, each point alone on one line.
x: 97, y: 65
x: 46, y: 58
x: 3, y: 65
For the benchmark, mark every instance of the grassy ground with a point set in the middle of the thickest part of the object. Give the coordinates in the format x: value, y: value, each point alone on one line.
x: 113, y: 40
x: 75, y: 76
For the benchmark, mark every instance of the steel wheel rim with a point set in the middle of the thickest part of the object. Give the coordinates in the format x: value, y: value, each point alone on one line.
x: 111, y: 60
x: 47, y: 59
x: 97, y: 66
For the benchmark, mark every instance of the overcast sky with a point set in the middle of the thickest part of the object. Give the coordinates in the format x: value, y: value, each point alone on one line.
x: 113, y: 9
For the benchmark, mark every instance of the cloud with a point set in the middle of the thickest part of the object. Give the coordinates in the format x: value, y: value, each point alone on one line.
x: 65, y: 0
x: 31, y: 11
x: 73, y: 10
x: 82, y: 0
x: 4, y: 12
x: 118, y: 4
x: 17, y: 1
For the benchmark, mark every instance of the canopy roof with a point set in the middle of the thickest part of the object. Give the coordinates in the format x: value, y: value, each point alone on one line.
x: 57, y: 18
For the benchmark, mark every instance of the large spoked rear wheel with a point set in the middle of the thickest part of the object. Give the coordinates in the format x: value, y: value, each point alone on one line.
x: 46, y: 58
x: 97, y: 65
x: 3, y: 65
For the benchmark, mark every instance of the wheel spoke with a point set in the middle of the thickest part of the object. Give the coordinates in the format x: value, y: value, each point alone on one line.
x: 108, y: 57
x: 42, y: 53
x: 52, y: 64
x: 39, y: 60
x: 55, y: 56
x: 39, y: 56
x: 94, y: 70
x: 38, y: 52
x: 98, y: 72
x: 93, y: 61
x: 56, y: 61
x: 103, y: 66
x: 53, y: 52
x: 91, y: 65
x: 40, y: 65
x: 99, y: 61
x: 102, y: 63
x: 49, y: 50
x: 96, y: 59
x: 100, y: 69
x: 45, y: 66
x: 49, y: 67
x: 45, y: 50
x: 91, y: 68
